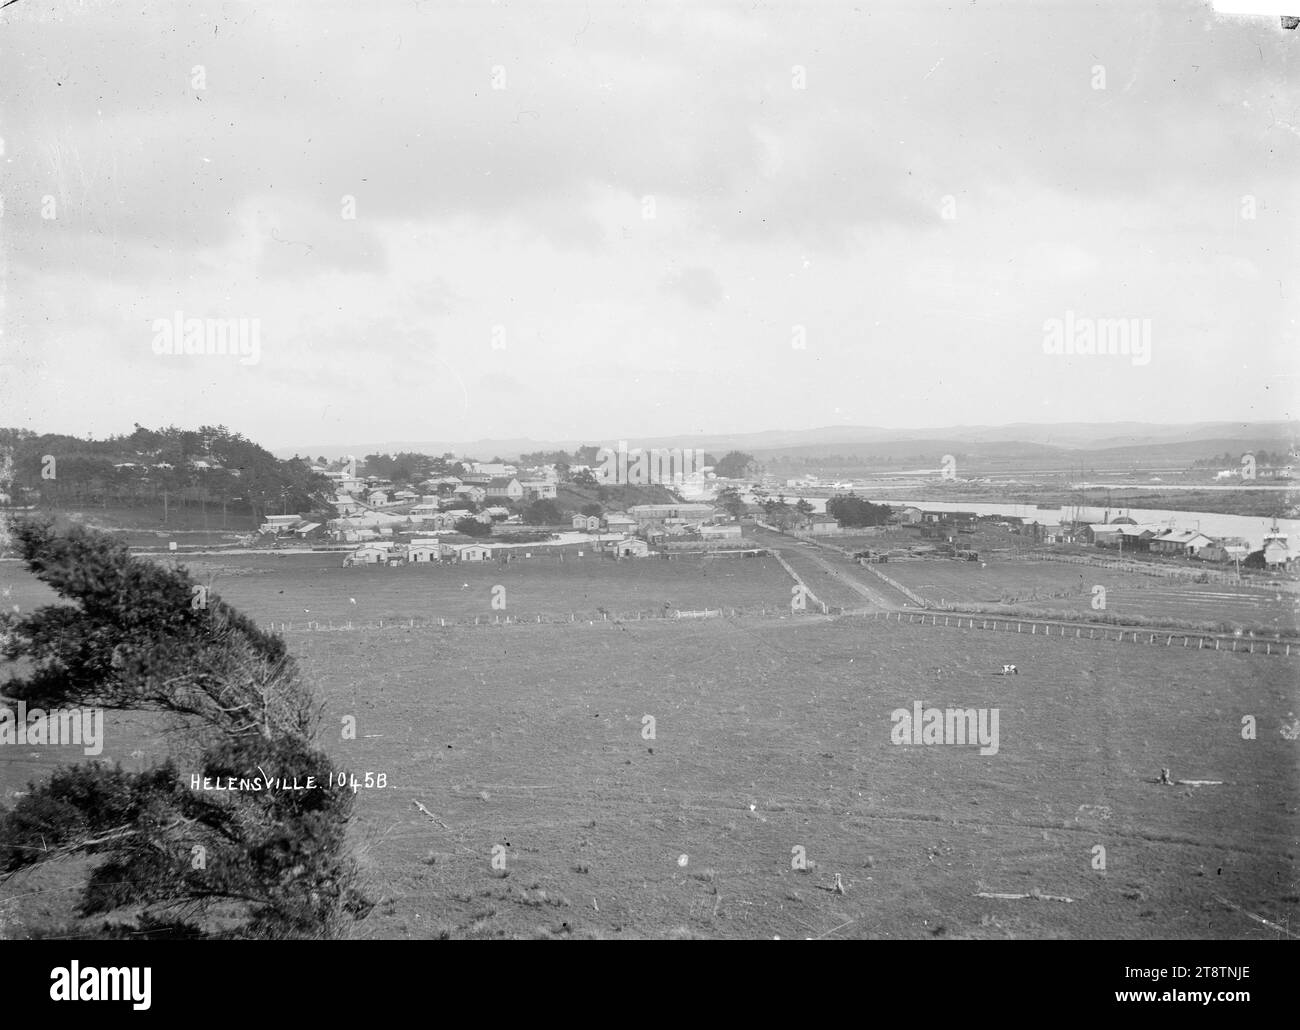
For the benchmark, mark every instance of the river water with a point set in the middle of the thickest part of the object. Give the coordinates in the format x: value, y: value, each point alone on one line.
x: 1249, y: 528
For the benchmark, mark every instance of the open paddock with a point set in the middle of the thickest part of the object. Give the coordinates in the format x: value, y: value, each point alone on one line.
x: 1066, y: 587
x: 772, y: 735
x: 535, y: 743
x: 315, y: 587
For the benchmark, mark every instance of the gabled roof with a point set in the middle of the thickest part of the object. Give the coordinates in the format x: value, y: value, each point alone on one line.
x: 1180, y: 536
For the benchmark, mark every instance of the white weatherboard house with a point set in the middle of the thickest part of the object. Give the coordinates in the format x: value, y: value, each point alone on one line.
x: 538, y: 489
x: 369, y: 554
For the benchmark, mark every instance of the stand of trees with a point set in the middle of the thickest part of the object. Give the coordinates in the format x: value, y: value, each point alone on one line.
x: 407, y: 468
x: 472, y: 527
x: 734, y: 465
x: 1229, y: 460
x: 149, y: 468
x: 852, y: 510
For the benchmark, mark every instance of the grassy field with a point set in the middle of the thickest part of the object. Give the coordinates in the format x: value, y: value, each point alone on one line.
x: 316, y: 586
x: 1066, y: 587
x: 771, y: 734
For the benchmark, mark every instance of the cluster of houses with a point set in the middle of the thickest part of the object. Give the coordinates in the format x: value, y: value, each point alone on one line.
x: 425, y: 551
x: 627, y: 534
x: 1128, y: 536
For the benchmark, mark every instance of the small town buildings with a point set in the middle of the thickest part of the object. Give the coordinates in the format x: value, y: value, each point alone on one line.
x: 494, y: 469
x: 818, y: 525
x: 471, y: 492
x: 279, y: 523
x: 647, y: 513
x: 424, y: 552
x: 1121, y: 535
x: 504, y: 488
x: 587, y: 523
x: 632, y: 548
x: 1277, y: 555
x: 908, y: 515
x: 538, y: 489
x: 729, y: 531
x: 1227, y: 549
x: 369, y: 554
x: 472, y: 552
x: 617, y: 522
x: 1186, y: 542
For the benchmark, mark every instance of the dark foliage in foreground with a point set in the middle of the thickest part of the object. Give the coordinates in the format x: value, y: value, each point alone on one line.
x: 171, y: 860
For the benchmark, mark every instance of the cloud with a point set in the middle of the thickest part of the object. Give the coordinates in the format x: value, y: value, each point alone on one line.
x: 699, y: 287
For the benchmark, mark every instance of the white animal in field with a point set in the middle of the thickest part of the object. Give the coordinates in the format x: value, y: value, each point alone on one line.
x: 1010, y: 670
x: 352, y: 600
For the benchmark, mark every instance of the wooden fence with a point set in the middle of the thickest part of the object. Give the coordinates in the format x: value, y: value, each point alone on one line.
x: 799, y: 580
x: 1104, y: 633
x: 1140, y: 567
x: 504, y: 619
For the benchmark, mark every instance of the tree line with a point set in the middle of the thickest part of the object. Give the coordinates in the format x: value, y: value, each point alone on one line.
x: 148, y: 468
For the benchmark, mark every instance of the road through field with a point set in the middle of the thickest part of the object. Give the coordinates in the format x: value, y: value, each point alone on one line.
x: 833, y: 577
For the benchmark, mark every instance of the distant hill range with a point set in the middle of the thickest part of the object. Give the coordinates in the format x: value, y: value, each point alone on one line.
x: 1068, y: 442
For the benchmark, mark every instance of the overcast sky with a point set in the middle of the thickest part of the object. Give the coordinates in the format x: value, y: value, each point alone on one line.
x: 623, y: 240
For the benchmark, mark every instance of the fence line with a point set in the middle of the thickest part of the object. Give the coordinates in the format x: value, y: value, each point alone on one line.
x: 1143, y: 568
x: 1101, y: 632
x: 534, y: 619
x: 1104, y: 633
x: 911, y: 595
x: 799, y: 579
